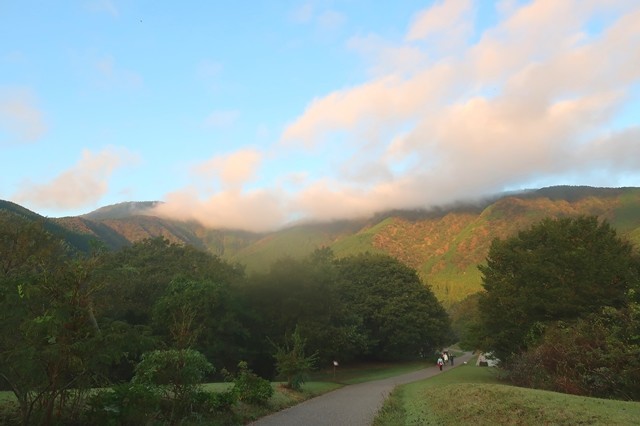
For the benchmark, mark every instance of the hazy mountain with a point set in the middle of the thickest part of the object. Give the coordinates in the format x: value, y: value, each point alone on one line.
x: 122, y: 210
x: 445, y: 245
x: 78, y: 240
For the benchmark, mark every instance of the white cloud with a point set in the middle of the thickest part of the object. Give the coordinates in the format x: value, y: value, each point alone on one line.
x: 21, y: 120
x: 81, y: 186
x: 535, y: 96
x: 386, y: 57
x: 446, y: 25
x: 218, y: 197
x: 232, y: 170
x: 258, y: 210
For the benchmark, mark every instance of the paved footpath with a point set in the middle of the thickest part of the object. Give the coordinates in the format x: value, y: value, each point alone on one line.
x: 352, y: 405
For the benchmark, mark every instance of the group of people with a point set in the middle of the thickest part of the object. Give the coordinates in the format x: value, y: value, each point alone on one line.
x: 445, y: 358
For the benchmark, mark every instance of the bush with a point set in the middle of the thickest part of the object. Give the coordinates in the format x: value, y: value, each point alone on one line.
x: 222, y: 401
x: 597, y: 356
x: 291, y: 361
x: 125, y: 404
x: 173, y: 367
x: 177, y: 373
x: 249, y: 387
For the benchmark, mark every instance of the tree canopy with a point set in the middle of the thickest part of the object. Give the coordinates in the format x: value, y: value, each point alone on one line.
x: 559, y: 269
x: 401, y: 316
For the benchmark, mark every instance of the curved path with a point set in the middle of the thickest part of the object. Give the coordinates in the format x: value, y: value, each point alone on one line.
x: 352, y: 405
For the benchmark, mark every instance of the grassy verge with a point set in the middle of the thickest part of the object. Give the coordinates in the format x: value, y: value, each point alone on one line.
x: 281, y: 399
x: 473, y: 395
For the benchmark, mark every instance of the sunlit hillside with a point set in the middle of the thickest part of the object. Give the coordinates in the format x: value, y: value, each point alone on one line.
x: 444, y: 246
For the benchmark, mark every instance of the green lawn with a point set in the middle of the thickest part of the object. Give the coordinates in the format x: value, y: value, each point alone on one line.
x: 350, y: 375
x: 473, y: 395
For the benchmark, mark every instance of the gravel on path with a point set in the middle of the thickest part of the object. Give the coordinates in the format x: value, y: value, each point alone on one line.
x: 352, y: 405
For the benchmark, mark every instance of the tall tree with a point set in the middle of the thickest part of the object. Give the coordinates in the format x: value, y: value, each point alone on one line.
x: 559, y: 269
x: 203, y: 315
x: 401, y: 316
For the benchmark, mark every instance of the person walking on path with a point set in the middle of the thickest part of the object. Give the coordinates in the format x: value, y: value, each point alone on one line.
x: 352, y: 405
x: 440, y: 363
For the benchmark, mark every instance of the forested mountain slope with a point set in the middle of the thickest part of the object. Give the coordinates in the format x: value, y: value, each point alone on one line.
x: 445, y: 245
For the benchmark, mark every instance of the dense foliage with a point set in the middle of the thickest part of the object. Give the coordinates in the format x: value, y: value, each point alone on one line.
x: 560, y: 308
x: 152, y: 320
x: 52, y: 348
x: 400, y: 317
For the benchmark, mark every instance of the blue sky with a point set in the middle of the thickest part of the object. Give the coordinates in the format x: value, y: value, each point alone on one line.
x: 252, y: 114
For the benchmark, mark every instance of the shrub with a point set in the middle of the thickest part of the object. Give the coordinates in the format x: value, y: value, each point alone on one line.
x: 291, y: 361
x: 177, y: 373
x: 249, y: 387
x: 125, y: 404
x: 222, y: 401
x: 597, y: 356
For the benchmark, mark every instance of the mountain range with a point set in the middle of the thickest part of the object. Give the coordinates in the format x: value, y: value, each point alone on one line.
x: 444, y: 245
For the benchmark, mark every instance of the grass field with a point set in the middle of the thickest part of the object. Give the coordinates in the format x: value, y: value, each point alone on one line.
x: 350, y: 375
x: 474, y: 395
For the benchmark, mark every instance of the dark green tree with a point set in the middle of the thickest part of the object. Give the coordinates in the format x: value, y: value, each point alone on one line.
x: 52, y: 347
x: 401, y: 317
x: 559, y: 269
x: 140, y: 275
x: 203, y: 315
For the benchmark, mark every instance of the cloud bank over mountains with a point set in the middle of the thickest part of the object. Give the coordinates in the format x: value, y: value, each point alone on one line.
x: 536, y: 98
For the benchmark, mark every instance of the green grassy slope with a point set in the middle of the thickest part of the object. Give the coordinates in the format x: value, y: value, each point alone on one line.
x: 473, y: 395
x: 296, y: 242
x: 447, y: 250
